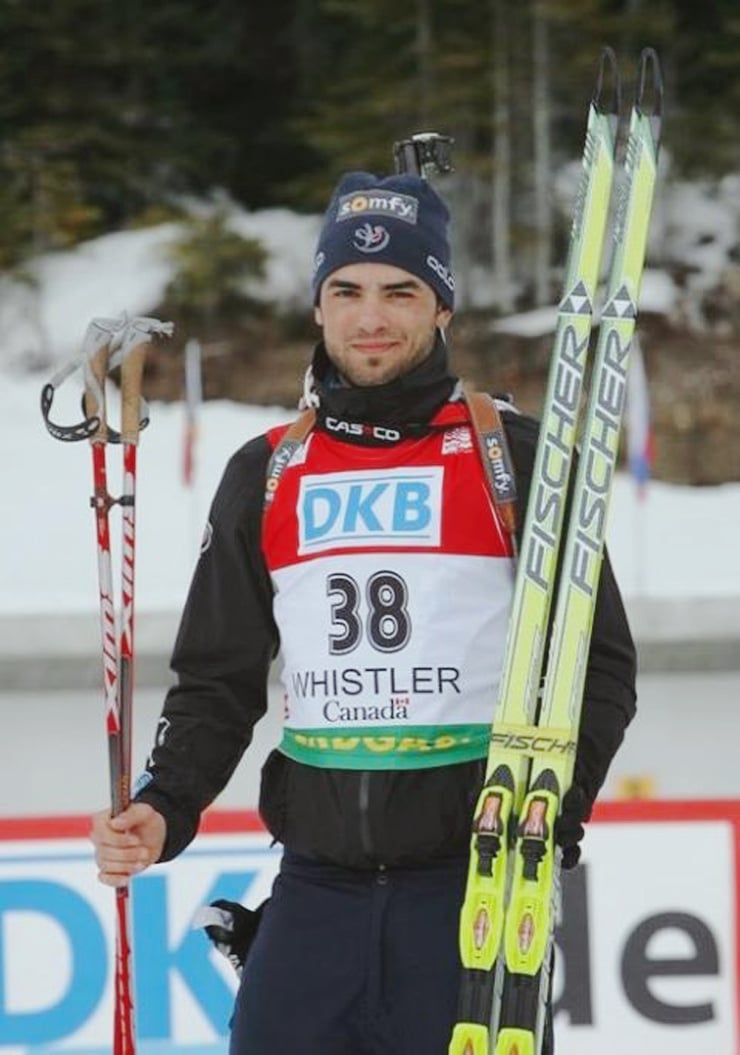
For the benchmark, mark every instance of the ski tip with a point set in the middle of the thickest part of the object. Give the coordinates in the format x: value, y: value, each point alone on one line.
x: 649, y: 96
x: 607, y: 72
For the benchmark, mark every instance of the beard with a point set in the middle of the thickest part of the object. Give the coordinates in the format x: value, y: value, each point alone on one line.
x: 369, y: 370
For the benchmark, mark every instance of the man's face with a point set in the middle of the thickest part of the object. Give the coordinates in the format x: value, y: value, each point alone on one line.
x: 378, y: 321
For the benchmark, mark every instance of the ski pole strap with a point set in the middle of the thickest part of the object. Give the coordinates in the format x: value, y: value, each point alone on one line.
x: 493, y: 448
x: 93, y: 399
x: 107, y: 343
x: 292, y: 439
x: 83, y: 430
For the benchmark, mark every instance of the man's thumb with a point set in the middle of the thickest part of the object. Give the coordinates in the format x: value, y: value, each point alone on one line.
x: 135, y: 814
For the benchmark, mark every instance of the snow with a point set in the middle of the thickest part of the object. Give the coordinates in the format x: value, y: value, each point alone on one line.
x: 290, y: 241
x: 43, y: 321
x: 660, y: 547
x: 698, y: 224
x: 535, y: 323
x: 658, y: 295
x: 46, y: 524
x: 680, y: 542
x: 658, y: 292
x: 125, y: 271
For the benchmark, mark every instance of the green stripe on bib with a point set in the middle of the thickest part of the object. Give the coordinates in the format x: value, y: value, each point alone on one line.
x: 409, y: 747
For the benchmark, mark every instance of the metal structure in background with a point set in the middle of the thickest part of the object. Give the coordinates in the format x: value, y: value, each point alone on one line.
x: 424, y: 154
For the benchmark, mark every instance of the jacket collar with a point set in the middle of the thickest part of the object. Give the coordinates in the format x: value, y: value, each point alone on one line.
x: 413, y: 398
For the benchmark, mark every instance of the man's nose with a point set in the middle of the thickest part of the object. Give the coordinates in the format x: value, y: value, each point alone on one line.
x: 372, y: 316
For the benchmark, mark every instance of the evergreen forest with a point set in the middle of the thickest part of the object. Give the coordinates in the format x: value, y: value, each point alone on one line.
x: 117, y: 114
x: 110, y: 111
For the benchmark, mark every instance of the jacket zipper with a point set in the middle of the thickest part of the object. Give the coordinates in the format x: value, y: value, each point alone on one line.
x: 364, y: 803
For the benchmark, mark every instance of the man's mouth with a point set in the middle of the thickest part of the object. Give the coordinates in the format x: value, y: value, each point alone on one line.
x: 377, y: 347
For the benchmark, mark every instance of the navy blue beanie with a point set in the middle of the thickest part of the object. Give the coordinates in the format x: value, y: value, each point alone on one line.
x: 398, y: 220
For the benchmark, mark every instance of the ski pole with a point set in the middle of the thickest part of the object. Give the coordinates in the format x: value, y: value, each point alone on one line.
x: 131, y: 351
x: 117, y: 724
x: 117, y: 727
x: 108, y: 343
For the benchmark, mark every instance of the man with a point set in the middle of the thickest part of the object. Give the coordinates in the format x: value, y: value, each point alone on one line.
x: 381, y: 571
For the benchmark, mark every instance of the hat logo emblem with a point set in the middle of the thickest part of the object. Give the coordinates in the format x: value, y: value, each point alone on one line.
x: 371, y: 238
x: 380, y: 202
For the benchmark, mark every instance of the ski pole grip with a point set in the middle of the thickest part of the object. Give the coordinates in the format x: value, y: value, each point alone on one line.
x: 132, y: 370
x: 94, y: 396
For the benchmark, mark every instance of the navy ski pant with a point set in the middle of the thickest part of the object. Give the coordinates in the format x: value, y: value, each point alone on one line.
x: 353, y: 963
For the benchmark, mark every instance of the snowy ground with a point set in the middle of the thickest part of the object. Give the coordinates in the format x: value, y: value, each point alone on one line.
x: 681, y: 542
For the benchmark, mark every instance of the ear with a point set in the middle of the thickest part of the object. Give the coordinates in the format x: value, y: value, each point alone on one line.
x: 318, y: 318
x: 443, y: 317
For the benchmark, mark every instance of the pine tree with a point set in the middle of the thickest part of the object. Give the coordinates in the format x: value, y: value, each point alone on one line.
x: 213, y: 265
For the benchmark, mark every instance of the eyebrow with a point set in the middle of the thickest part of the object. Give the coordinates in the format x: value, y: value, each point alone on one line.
x: 342, y: 283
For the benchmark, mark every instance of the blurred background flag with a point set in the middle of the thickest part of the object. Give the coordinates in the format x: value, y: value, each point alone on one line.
x: 640, y: 457
x: 639, y: 428
x: 193, y: 399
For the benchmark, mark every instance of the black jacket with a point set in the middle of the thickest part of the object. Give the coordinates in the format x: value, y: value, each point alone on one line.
x: 225, y: 644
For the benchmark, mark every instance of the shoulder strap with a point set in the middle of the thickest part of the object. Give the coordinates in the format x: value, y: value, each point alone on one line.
x: 493, y: 449
x: 491, y: 442
x: 291, y: 440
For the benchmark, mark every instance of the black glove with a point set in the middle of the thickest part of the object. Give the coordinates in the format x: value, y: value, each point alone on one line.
x: 569, y: 826
x: 231, y: 927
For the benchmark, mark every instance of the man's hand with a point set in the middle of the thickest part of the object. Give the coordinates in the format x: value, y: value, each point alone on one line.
x: 569, y: 826
x: 128, y: 843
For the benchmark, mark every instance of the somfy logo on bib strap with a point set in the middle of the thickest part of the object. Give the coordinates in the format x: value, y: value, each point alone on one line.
x: 396, y: 507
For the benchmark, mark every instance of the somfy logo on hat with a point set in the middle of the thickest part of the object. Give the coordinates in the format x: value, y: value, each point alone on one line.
x: 380, y: 202
x: 371, y: 239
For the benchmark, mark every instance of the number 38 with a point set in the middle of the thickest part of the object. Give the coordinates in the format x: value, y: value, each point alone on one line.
x: 387, y: 624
